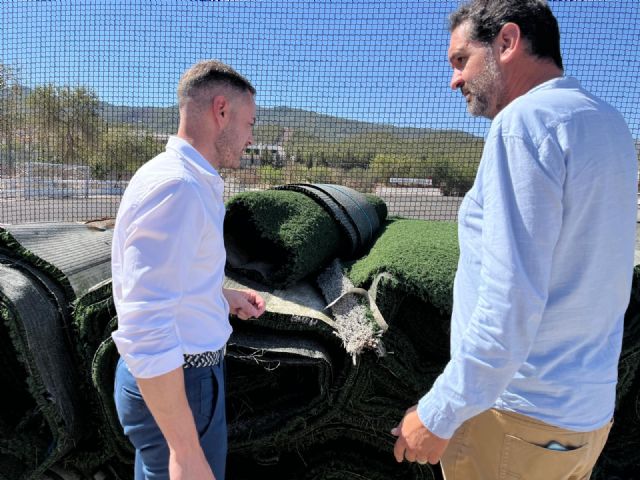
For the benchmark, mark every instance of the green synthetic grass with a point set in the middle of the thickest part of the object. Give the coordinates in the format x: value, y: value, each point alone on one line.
x: 286, y: 232
x: 368, y: 397
x: 422, y: 256
x: 345, y: 433
x: 34, y: 434
x: 93, y: 321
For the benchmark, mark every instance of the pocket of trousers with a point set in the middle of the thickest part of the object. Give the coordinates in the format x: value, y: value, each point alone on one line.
x: 201, y: 395
x: 528, y: 461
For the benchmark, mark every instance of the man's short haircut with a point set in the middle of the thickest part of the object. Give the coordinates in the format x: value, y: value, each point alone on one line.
x: 534, y: 17
x: 207, y: 75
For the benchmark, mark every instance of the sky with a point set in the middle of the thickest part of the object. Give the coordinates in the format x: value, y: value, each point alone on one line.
x: 381, y: 61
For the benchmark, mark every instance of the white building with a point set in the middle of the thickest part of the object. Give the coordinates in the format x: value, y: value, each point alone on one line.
x: 255, y: 153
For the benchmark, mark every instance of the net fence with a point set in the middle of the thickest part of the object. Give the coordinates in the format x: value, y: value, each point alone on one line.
x: 349, y: 92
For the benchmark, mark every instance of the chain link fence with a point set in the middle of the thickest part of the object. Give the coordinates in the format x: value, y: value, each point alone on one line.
x: 349, y: 92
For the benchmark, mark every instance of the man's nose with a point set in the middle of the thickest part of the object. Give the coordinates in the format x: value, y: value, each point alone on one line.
x: 456, y: 80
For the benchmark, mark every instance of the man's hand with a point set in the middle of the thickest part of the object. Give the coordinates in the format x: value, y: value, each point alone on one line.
x: 244, y: 304
x: 190, y: 466
x: 415, y: 442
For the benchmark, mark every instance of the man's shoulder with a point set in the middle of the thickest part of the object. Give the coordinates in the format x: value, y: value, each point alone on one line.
x: 164, y: 174
x: 560, y: 102
x: 164, y: 167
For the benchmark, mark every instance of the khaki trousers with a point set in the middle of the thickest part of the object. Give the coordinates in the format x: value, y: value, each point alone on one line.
x: 500, y: 445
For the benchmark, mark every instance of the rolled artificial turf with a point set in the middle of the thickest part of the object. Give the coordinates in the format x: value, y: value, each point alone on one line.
x: 279, y: 237
x: 299, y: 407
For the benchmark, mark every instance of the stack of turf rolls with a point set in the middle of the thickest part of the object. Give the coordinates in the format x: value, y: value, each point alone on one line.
x: 45, y: 268
x: 336, y: 413
x: 300, y: 405
x: 346, y: 433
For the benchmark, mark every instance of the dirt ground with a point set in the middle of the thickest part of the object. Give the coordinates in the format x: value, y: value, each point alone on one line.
x: 408, y: 202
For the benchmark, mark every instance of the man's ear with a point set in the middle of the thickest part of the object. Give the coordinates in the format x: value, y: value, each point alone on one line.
x: 509, y: 42
x: 220, y: 108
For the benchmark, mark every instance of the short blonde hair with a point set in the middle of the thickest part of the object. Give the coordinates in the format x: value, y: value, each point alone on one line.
x: 207, y: 75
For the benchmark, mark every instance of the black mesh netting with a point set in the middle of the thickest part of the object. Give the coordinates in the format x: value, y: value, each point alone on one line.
x: 354, y: 93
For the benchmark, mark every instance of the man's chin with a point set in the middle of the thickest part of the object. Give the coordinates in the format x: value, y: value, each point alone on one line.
x: 476, y: 110
x: 231, y: 163
x: 234, y: 165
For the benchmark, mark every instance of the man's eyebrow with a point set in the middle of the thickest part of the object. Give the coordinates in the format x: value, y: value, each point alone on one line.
x: 455, y: 53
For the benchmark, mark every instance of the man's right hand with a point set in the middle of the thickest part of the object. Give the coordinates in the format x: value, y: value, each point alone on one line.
x: 189, y: 466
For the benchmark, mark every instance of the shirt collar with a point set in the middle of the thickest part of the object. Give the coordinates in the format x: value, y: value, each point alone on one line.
x: 561, y: 82
x: 190, y: 154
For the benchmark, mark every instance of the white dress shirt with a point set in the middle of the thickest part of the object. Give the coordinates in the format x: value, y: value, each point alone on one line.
x: 168, y: 261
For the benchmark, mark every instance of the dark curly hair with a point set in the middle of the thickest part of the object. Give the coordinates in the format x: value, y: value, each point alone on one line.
x: 534, y: 17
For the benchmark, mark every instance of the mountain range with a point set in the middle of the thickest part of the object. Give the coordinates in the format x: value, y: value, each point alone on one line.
x: 327, y: 128
x: 323, y: 127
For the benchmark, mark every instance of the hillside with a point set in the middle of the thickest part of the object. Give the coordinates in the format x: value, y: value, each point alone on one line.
x: 324, y: 128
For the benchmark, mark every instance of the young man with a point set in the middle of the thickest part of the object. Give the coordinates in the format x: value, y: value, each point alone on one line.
x: 168, y: 271
x: 546, y: 256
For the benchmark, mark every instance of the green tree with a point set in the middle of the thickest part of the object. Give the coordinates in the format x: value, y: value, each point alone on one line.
x: 67, y: 122
x: 121, y: 150
x: 267, y: 158
x: 309, y: 160
x: 11, y: 98
x: 385, y: 166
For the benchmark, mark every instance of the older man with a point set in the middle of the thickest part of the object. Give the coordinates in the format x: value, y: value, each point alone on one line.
x: 168, y: 271
x: 546, y: 254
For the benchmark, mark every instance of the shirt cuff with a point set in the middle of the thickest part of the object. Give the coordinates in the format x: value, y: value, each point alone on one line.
x: 142, y: 365
x: 435, y: 417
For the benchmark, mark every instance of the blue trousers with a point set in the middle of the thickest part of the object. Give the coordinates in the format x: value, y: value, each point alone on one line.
x: 205, y: 392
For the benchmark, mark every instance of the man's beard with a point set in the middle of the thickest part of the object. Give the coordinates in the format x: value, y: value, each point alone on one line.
x: 486, y: 89
x: 223, y: 146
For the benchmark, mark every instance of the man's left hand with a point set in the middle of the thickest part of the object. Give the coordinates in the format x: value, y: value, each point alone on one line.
x: 415, y: 442
x: 244, y: 304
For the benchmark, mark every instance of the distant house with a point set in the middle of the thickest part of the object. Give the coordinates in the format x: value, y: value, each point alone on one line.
x: 262, y: 153
x: 161, y: 137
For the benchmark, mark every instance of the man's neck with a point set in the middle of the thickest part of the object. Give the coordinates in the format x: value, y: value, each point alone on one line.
x: 532, y: 73
x: 193, y: 137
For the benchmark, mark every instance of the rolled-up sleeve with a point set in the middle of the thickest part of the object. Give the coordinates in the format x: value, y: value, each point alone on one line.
x: 155, y: 242
x: 522, y: 190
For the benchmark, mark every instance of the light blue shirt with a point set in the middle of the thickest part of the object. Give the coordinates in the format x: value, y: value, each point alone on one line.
x: 547, y: 238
